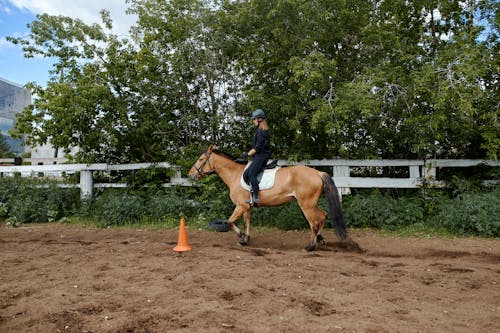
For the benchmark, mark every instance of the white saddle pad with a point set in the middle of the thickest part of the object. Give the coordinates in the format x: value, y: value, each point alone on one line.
x: 266, y: 182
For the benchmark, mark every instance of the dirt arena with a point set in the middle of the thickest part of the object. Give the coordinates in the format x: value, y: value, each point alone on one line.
x: 60, y: 278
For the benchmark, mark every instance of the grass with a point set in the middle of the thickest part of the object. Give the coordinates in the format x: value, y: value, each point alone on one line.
x: 418, y: 231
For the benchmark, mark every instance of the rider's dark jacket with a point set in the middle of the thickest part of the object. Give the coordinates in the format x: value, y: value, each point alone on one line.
x: 262, y: 144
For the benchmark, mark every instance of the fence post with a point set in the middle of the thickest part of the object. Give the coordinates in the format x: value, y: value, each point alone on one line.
x: 342, y: 171
x: 86, y: 184
x: 414, y: 172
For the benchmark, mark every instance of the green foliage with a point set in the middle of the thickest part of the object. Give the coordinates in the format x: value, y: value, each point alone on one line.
x: 392, y: 79
x: 214, y: 195
x: 382, y: 212
x: 472, y: 214
x: 432, y: 202
x: 360, y: 82
x: 151, y: 177
x: 124, y: 207
x: 461, y: 211
x: 27, y: 200
x: 4, y: 148
x: 117, y: 208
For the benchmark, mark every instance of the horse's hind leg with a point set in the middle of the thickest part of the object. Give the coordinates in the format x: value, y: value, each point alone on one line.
x: 316, y: 218
x: 245, y: 236
x: 320, y: 239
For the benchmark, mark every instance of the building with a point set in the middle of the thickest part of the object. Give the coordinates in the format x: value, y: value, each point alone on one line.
x: 13, y: 99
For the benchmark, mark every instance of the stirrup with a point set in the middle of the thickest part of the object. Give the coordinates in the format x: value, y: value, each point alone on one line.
x: 250, y: 201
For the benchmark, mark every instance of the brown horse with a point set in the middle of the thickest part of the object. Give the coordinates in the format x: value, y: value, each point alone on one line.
x: 303, y: 183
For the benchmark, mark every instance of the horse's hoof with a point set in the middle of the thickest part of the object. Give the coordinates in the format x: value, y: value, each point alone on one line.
x: 320, y: 240
x: 310, y: 247
x: 244, y: 239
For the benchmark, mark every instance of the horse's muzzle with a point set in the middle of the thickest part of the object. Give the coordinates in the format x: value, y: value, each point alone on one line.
x: 194, y: 174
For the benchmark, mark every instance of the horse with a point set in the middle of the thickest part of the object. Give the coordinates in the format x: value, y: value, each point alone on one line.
x: 300, y: 182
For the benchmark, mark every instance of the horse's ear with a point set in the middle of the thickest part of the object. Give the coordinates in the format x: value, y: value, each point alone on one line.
x: 212, y: 146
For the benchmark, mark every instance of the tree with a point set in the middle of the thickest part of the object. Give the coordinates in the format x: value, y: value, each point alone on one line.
x: 141, y: 99
x: 5, y: 151
x: 188, y: 66
x: 392, y: 78
x: 363, y: 79
x: 82, y: 105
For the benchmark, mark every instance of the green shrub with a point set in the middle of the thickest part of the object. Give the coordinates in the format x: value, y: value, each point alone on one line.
x: 472, y: 214
x: 30, y: 200
x: 172, y: 203
x: 381, y: 211
x: 432, y: 201
x: 460, y: 209
x: 117, y: 207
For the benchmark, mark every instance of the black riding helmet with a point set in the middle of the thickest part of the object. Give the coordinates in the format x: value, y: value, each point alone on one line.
x: 258, y: 113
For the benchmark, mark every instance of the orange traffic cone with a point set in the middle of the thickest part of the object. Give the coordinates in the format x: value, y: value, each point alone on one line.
x: 182, y: 242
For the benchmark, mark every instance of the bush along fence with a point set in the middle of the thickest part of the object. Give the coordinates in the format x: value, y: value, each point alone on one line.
x: 463, y: 207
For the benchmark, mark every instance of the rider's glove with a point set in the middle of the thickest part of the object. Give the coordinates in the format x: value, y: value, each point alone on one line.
x: 243, y: 158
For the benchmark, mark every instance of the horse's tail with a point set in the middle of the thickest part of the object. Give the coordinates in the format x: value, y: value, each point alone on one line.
x: 335, y: 210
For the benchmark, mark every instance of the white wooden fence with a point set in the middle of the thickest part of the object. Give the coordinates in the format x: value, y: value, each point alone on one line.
x: 420, y: 172
x: 86, y: 184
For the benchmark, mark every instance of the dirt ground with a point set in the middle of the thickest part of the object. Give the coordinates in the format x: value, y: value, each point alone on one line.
x: 63, y: 278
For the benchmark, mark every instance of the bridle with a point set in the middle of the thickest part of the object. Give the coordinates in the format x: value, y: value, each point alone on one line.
x: 202, y: 165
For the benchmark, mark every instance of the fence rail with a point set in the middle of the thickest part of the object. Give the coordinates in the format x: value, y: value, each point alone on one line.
x: 86, y: 171
x: 420, y: 172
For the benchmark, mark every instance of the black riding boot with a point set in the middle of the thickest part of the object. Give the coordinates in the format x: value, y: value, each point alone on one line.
x: 254, y: 198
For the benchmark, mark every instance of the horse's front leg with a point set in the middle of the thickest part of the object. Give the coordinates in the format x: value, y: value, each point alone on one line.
x: 238, y: 211
x: 233, y: 218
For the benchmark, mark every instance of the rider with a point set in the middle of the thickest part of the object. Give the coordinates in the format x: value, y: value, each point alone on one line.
x: 261, y: 151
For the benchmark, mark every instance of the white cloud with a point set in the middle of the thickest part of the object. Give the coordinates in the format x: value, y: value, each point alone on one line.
x: 85, y: 10
x: 4, y: 43
x: 6, y: 10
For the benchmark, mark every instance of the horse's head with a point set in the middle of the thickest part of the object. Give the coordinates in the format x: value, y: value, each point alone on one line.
x: 202, y: 166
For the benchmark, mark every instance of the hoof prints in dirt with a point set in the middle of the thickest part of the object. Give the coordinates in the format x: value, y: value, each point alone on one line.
x: 444, y: 254
x: 349, y: 245
x: 420, y: 284
x: 318, y: 308
x: 67, y: 321
x: 253, y: 251
x: 150, y: 323
x: 229, y: 296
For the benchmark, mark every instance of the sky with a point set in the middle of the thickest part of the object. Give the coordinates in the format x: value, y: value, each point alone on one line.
x: 16, y: 14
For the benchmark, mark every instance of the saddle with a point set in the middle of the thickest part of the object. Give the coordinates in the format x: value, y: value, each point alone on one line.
x: 266, y: 177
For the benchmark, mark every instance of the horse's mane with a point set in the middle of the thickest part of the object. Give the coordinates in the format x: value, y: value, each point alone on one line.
x: 228, y: 156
